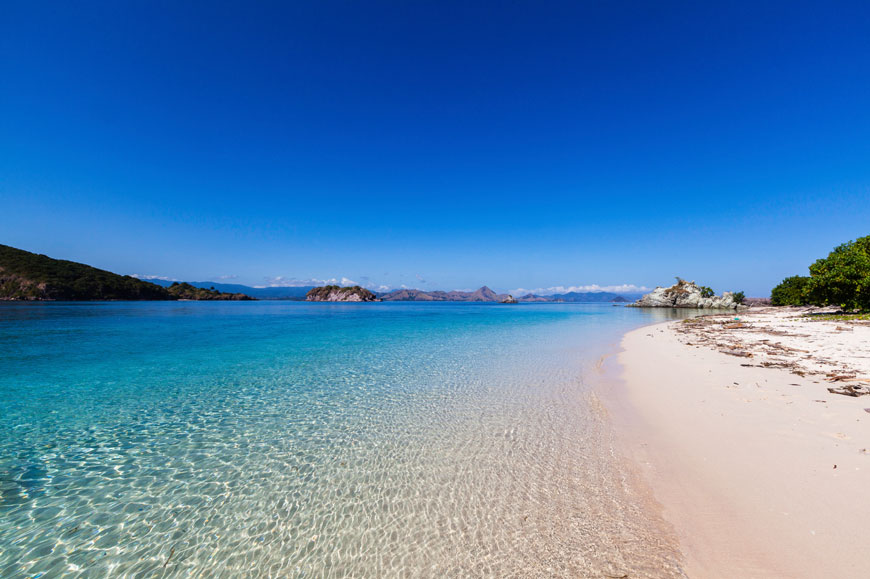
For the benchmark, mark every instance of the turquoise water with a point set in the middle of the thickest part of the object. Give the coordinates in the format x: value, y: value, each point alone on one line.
x: 276, y: 439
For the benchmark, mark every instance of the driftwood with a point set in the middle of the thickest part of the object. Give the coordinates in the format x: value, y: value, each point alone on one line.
x: 840, y: 377
x: 720, y: 332
x: 849, y: 390
x: 738, y: 353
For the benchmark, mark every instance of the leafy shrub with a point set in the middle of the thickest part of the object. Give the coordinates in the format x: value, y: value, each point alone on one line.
x: 707, y: 292
x: 792, y: 291
x: 843, y: 278
x: 738, y: 297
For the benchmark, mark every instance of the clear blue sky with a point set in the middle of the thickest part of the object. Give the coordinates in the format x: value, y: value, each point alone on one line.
x: 437, y: 144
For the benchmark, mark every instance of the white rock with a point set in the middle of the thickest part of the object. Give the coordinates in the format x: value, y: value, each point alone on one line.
x: 686, y: 294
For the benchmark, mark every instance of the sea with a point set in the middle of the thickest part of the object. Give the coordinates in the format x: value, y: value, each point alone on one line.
x: 294, y: 439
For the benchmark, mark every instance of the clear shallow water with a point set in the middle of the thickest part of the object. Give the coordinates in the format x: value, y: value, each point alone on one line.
x: 313, y: 440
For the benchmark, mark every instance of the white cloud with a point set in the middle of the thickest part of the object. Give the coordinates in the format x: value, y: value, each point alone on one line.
x: 150, y: 277
x: 281, y: 281
x: 560, y: 289
x: 227, y: 277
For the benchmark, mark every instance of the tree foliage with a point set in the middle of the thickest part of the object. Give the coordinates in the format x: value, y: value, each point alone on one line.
x: 792, y: 291
x: 32, y: 276
x: 843, y: 278
x: 185, y: 291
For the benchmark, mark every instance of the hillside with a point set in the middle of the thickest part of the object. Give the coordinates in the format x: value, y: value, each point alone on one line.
x: 36, y: 277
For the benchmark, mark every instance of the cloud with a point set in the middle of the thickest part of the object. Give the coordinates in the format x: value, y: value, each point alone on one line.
x: 420, y: 278
x: 150, y: 277
x: 281, y: 281
x: 227, y: 277
x: 560, y: 289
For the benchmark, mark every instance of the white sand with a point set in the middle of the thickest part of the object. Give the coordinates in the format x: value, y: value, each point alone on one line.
x: 742, y: 459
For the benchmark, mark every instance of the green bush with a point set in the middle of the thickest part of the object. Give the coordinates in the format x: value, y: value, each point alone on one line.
x: 707, y: 292
x: 738, y: 297
x: 792, y: 291
x: 843, y: 278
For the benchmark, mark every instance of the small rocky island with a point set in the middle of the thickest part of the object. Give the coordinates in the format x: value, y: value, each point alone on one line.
x: 185, y: 291
x: 335, y: 293
x: 688, y: 294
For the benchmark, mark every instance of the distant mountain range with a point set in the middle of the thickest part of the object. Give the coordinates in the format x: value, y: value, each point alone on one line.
x: 579, y: 297
x: 484, y: 294
x: 30, y: 276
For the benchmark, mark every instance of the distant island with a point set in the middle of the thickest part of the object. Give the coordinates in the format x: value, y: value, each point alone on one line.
x: 335, y: 293
x: 186, y: 291
x: 261, y: 293
x: 485, y: 294
x: 26, y: 276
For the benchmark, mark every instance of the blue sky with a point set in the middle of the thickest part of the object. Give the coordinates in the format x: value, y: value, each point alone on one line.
x: 437, y: 145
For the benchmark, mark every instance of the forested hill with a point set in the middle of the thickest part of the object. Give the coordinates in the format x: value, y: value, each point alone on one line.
x: 32, y: 276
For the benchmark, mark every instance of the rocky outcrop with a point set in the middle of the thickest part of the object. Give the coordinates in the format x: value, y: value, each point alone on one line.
x: 509, y: 300
x: 687, y: 294
x: 334, y: 293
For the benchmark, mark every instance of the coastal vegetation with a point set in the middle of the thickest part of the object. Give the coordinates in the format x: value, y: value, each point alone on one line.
x: 30, y: 276
x: 792, y: 291
x: 841, y: 279
x: 857, y: 317
x: 185, y: 291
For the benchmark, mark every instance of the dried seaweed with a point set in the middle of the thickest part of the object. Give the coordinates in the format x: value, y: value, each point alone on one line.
x: 849, y: 390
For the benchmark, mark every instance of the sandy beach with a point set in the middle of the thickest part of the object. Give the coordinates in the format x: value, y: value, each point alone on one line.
x: 761, y: 470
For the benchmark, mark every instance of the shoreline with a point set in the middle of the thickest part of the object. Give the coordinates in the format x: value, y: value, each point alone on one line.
x: 739, y: 457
